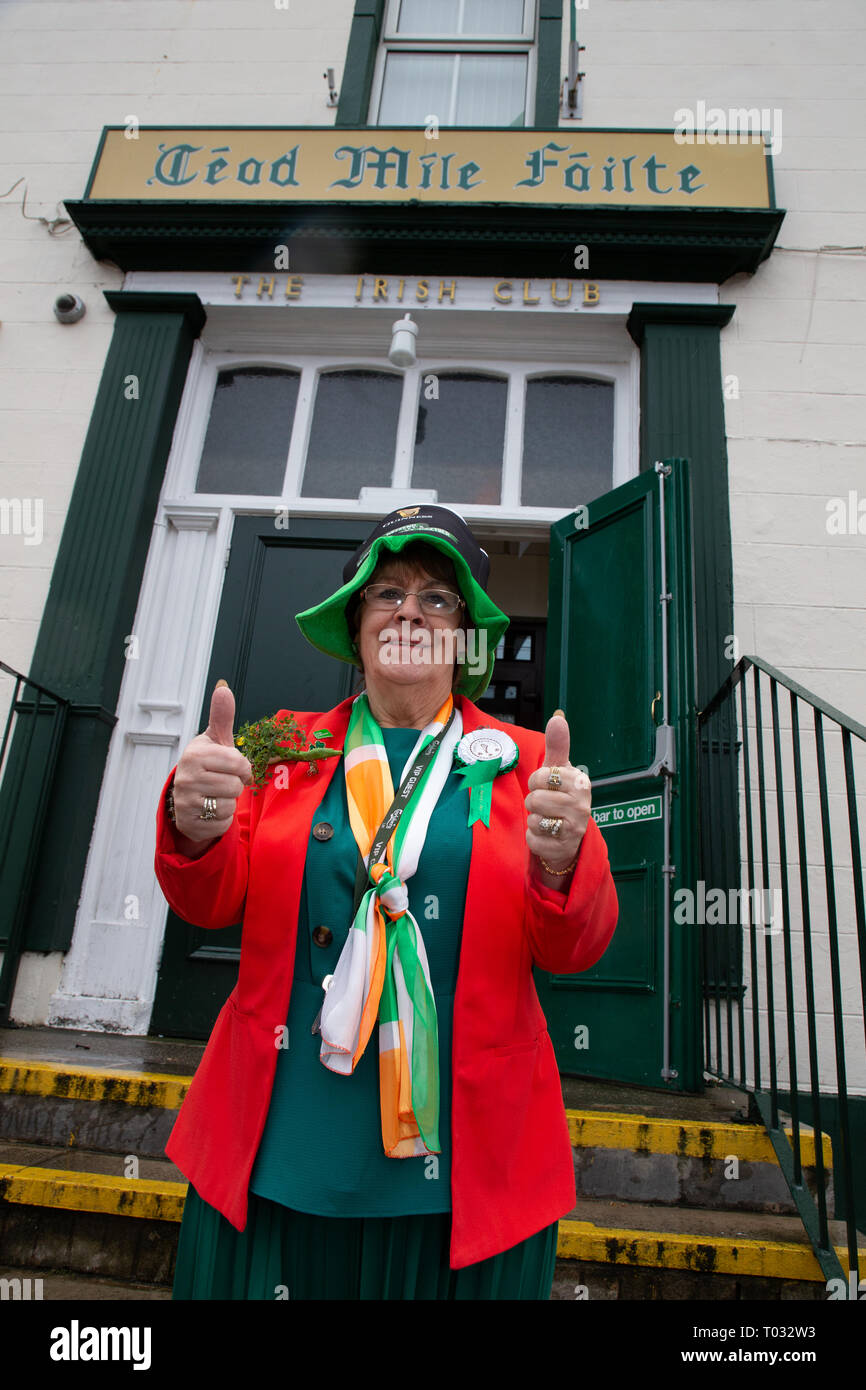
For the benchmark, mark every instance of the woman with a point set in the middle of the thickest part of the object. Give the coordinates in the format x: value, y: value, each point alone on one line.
x: 378, y: 1112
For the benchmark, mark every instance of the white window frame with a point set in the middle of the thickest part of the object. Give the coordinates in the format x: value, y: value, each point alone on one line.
x: 623, y: 376
x: 392, y: 42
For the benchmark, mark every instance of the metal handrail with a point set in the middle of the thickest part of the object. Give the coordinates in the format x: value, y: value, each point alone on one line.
x: 735, y: 770
x: 17, y: 760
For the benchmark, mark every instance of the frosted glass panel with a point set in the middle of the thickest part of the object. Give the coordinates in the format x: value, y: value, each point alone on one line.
x: 247, y: 440
x: 459, y: 438
x: 429, y: 17
x: 416, y: 85
x: 424, y: 17
x: 567, y: 441
x: 491, y: 90
x: 353, y: 434
x: 493, y: 17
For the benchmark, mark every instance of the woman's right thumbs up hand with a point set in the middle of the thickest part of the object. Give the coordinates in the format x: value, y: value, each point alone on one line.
x: 210, y: 765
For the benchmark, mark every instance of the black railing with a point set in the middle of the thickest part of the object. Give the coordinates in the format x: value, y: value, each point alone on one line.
x: 786, y: 1024
x: 36, y: 744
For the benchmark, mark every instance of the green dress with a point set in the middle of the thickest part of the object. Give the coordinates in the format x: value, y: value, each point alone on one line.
x: 330, y: 1216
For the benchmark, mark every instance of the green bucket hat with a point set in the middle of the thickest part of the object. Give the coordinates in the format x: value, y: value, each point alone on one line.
x: 325, y: 625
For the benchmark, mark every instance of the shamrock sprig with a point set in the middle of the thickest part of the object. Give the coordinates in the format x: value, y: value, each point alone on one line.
x: 280, y: 739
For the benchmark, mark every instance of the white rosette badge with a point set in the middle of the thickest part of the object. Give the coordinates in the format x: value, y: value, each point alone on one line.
x: 481, y: 756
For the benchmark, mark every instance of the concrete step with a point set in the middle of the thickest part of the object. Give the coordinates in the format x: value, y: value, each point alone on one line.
x: 663, y: 1210
x: 701, y: 1163
x: 634, y: 1154
x: 52, y: 1285
x: 634, y: 1250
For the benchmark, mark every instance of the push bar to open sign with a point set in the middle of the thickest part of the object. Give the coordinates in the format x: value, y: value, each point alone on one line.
x: 628, y: 812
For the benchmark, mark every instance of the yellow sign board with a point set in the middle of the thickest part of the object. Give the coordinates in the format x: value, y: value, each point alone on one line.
x: 563, y: 167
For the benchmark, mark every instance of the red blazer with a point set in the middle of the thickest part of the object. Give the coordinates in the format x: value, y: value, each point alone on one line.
x: 512, y: 1171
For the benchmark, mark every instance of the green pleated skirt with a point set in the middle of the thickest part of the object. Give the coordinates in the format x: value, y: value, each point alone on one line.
x: 292, y: 1254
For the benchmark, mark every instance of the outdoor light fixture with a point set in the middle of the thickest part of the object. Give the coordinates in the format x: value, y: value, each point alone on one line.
x: 402, y: 352
x: 333, y: 94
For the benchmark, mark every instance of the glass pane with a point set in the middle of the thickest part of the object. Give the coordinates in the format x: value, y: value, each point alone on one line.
x: 491, y: 89
x: 443, y: 17
x: 422, y: 17
x: 567, y: 441
x: 353, y: 434
x: 459, y: 438
x: 493, y: 17
x: 247, y: 441
x: 417, y: 85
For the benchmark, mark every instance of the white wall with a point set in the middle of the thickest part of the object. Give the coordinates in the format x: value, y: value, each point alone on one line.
x: 797, y: 342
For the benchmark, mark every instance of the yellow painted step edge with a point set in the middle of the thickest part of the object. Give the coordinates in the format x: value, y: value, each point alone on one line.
x: 768, y: 1259
x: 688, y: 1138
x: 587, y: 1128
x: 578, y: 1240
x: 51, y: 1079
x: 157, y: 1200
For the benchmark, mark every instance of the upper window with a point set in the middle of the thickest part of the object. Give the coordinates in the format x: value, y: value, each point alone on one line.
x: 458, y: 62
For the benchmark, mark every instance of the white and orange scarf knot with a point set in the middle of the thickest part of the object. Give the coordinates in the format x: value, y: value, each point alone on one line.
x: 382, y: 974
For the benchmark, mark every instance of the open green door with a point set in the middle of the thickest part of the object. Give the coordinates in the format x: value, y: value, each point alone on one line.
x: 621, y: 663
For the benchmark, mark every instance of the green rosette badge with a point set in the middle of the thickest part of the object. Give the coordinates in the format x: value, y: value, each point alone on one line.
x: 280, y: 739
x: 481, y: 756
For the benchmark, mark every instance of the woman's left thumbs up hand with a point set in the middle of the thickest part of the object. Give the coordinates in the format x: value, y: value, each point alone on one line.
x: 569, y: 803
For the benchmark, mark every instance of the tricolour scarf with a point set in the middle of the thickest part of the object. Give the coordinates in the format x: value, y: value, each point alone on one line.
x: 382, y: 971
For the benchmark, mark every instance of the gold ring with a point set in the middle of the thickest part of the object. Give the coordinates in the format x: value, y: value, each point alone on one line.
x: 550, y: 825
x: 208, y: 808
x: 554, y: 781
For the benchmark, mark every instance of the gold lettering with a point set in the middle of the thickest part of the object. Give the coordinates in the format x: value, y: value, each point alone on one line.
x: 499, y: 287
x: 554, y: 296
x: 293, y: 286
x: 590, y: 292
x: 451, y: 291
x: 526, y: 298
x: 240, y: 281
x: 359, y: 288
x: 400, y: 289
x: 422, y: 289
x: 380, y: 289
x: 264, y: 281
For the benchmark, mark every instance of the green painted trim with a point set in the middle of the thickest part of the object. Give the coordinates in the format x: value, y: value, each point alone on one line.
x: 353, y: 104
x: 143, y: 302
x: 554, y: 129
x: 682, y: 413
x: 97, y: 157
x: 95, y: 586
x: 548, y: 60
x: 771, y: 182
x: 442, y: 239
x: 717, y: 315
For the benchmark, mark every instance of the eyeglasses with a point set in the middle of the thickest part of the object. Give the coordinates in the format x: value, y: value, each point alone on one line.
x: 389, y: 597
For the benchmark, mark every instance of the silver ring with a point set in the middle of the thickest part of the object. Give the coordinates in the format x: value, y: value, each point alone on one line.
x: 209, y: 808
x: 550, y: 825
